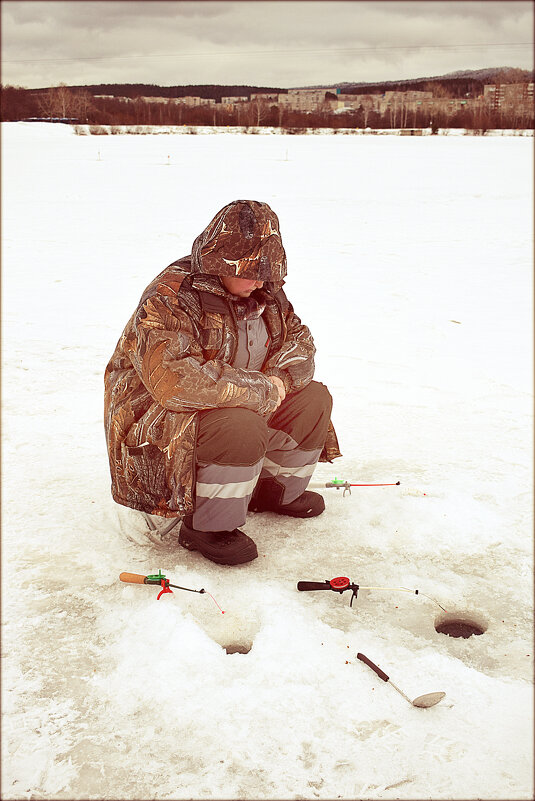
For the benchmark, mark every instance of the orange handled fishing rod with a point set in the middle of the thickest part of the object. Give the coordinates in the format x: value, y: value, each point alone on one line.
x: 160, y: 579
x: 340, y: 483
x: 136, y: 578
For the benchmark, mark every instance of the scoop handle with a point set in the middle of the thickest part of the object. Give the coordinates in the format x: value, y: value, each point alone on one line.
x: 382, y: 675
x: 313, y: 585
x: 133, y: 578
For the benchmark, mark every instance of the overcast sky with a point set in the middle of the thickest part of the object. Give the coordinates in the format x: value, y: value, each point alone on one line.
x: 278, y: 43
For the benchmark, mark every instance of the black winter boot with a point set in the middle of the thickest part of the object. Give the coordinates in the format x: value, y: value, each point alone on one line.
x: 268, y: 495
x: 222, y: 547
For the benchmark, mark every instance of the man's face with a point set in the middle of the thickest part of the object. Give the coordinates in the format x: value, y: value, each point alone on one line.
x: 242, y: 287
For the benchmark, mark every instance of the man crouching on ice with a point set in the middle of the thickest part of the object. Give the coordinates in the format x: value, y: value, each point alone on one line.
x: 210, y: 406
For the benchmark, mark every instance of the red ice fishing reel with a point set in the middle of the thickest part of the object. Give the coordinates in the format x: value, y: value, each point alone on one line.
x: 339, y: 584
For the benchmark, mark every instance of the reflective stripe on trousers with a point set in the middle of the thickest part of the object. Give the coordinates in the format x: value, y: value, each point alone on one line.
x: 237, y: 447
x: 223, y: 492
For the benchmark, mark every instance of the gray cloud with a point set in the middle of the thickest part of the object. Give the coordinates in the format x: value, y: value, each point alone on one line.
x: 271, y: 42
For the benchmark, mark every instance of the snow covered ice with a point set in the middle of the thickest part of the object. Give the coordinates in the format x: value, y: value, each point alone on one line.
x: 411, y: 261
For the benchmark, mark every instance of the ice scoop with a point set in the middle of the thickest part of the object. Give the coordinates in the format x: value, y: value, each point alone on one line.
x: 423, y: 701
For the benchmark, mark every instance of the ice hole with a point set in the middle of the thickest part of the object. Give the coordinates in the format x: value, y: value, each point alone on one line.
x: 464, y: 626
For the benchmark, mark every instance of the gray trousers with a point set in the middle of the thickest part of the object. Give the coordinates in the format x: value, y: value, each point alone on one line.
x: 240, y: 453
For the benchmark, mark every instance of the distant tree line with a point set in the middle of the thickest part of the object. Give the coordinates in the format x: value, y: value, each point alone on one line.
x: 79, y: 104
x: 206, y: 91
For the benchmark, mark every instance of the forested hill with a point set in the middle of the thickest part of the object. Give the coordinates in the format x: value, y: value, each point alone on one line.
x: 456, y: 84
x: 206, y: 91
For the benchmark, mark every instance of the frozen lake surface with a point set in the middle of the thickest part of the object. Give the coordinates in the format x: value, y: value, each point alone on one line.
x: 411, y: 261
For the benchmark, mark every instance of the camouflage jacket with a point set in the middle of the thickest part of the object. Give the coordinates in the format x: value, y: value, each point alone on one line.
x: 174, y: 359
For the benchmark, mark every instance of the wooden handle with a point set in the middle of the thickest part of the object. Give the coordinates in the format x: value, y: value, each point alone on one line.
x: 382, y: 675
x: 133, y: 578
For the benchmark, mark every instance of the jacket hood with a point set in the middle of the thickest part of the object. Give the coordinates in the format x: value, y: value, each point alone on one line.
x: 242, y: 240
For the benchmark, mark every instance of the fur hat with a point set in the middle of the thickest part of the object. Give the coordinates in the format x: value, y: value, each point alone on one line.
x: 242, y: 240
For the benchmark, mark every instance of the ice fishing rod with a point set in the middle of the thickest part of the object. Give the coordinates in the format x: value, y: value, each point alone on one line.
x: 340, y: 483
x: 160, y: 579
x: 342, y: 583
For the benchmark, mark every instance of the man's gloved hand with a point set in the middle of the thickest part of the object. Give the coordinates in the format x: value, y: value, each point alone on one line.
x: 276, y: 381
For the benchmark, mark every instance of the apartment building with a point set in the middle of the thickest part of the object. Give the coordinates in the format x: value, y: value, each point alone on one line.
x: 508, y: 94
x: 192, y: 102
x: 305, y: 99
x: 229, y: 101
x: 411, y: 100
x: 188, y: 101
x: 265, y: 97
x: 353, y: 101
